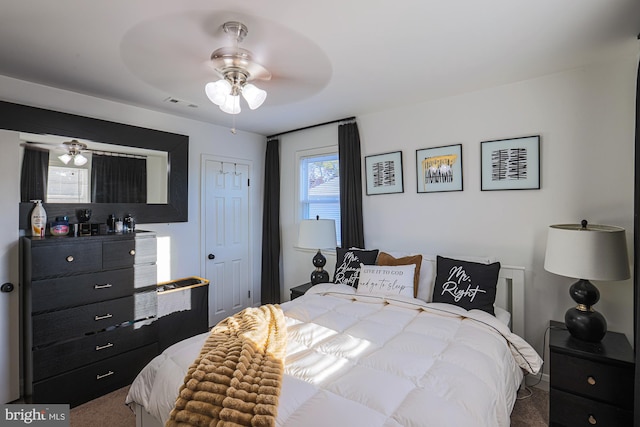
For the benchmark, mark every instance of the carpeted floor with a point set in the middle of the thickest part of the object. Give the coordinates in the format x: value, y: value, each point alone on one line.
x: 110, y: 411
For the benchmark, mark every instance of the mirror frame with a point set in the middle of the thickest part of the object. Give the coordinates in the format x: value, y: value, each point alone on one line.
x: 22, y: 118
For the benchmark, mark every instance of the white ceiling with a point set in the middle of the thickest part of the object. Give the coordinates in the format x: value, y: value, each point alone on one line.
x: 330, y: 59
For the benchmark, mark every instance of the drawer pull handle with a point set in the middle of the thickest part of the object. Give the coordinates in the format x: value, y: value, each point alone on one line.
x: 592, y: 420
x: 591, y: 380
x: 69, y: 258
x: 105, y: 286
x: 102, y: 347
x: 106, y: 316
x: 99, y: 377
x: 132, y: 252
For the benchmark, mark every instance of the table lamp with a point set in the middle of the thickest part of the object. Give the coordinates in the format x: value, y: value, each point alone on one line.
x: 587, y: 252
x: 317, y: 234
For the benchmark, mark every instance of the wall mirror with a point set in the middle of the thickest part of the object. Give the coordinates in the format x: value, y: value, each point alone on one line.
x: 72, y: 178
x: 119, y: 137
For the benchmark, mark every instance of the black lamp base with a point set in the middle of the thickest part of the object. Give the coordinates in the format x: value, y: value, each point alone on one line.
x: 319, y: 275
x: 588, y: 326
x: 582, y: 321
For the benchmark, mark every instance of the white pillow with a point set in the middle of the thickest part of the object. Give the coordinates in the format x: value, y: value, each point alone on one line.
x: 386, y: 280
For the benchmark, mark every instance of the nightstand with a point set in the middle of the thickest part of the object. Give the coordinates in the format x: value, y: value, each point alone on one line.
x: 591, y: 383
x: 299, y: 290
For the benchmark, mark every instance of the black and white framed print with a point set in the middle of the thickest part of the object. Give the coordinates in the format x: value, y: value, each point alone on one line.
x: 439, y: 169
x: 511, y: 164
x: 384, y: 173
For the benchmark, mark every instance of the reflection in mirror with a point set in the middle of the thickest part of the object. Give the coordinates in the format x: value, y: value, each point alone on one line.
x: 83, y: 171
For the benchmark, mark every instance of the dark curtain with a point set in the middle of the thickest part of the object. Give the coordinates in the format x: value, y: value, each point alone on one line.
x: 35, y: 170
x: 270, y: 288
x: 118, y: 179
x: 352, y: 229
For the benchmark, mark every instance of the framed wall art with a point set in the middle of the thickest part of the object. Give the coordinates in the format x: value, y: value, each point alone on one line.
x: 439, y: 169
x: 511, y: 164
x: 384, y: 173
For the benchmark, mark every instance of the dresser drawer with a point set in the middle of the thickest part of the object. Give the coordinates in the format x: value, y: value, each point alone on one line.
x: 71, y: 291
x: 145, y: 275
x: 78, y: 321
x: 66, y: 356
x: 569, y: 410
x: 118, y: 254
x: 97, y: 379
x: 146, y: 250
x: 604, y: 382
x: 63, y: 259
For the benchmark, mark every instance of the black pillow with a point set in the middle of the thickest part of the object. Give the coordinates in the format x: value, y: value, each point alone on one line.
x: 466, y: 284
x: 348, y: 264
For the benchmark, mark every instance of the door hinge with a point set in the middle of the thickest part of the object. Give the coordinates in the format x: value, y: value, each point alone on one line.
x: 248, y: 182
x: 248, y: 294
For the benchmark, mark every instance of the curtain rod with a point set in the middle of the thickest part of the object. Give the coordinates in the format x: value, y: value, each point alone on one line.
x: 312, y: 126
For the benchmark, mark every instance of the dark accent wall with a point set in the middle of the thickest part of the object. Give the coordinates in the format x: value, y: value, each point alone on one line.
x: 24, y: 118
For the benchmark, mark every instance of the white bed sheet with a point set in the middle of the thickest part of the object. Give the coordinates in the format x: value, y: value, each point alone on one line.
x: 375, y: 362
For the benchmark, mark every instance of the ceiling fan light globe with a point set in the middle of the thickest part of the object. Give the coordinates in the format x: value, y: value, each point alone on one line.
x: 253, y: 95
x: 217, y: 91
x: 231, y: 105
x: 65, y: 158
x: 79, y: 160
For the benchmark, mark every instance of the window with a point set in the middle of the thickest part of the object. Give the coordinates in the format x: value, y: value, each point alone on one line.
x: 320, y: 188
x: 68, y: 185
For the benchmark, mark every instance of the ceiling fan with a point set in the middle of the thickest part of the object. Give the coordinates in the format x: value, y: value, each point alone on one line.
x: 72, y: 151
x: 237, y: 70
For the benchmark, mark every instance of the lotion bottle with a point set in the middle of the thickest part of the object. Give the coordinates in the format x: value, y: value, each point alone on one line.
x: 38, y: 219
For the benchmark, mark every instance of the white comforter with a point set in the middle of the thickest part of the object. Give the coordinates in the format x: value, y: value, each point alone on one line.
x: 367, y: 361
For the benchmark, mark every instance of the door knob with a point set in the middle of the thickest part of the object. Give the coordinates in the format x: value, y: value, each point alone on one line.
x: 211, y: 256
x: 7, y: 287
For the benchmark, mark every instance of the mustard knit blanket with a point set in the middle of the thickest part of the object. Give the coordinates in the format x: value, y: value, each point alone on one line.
x: 236, y: 379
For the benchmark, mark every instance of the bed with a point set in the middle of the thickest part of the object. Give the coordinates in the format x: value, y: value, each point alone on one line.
x: 360, y: 357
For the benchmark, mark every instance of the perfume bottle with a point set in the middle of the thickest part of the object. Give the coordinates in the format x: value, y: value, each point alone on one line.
x: 129, y: 224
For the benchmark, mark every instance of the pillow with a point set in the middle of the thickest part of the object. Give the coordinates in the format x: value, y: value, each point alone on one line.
x: 387, y: 259
x: 386, y: 280
x: 348, y: 264
x: 469, y: 285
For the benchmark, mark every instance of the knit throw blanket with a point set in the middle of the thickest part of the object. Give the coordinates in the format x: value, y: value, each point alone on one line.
x: 236, y: 379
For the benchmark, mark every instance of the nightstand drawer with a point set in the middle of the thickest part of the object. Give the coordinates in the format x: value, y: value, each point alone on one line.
x: 569, y: 410
x: 604, y: 382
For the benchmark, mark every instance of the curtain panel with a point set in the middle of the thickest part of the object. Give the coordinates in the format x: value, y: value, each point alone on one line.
x: 350, y: 164
x: 35, y: 170
x: 270, y: 285
x: 118, y: 179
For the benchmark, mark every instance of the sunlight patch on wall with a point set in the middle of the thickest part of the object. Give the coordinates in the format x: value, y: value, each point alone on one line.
x: 164, y: 259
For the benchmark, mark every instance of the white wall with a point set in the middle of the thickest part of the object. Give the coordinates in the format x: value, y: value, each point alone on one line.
x: 585, y: 118
x: 183, y: 239
x: 297, y: 265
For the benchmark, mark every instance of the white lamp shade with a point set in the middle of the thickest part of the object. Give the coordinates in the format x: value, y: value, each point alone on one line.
x: 231, y: 105
x: 317, y: 234
x: 65, y: 158
x: 253, y: 95
x: 79, y: 160
x: 597, y: 252
x: 217, y: 91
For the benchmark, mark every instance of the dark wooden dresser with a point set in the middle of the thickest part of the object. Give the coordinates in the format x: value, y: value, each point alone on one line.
x: 591, y: 383
x: 90, y: 309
